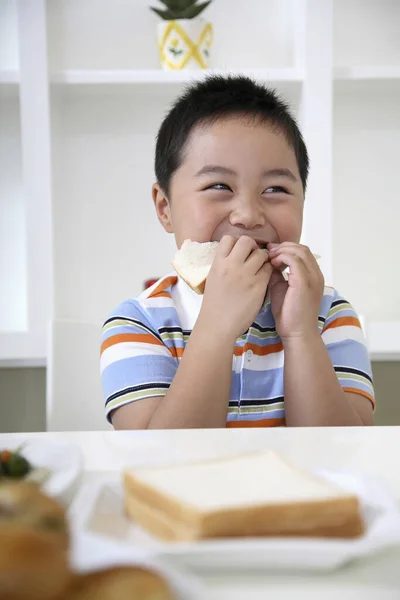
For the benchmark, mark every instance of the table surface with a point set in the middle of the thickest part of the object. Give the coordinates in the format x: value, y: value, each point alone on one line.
x: 372, y: 450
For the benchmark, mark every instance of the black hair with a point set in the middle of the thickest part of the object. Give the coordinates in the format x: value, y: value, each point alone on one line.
x: 215, y: 98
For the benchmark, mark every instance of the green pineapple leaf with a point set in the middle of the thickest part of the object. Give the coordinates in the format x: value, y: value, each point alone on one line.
x: 190, y: 10
x: 167, y: 15
x: 194, y: 11
x: 178, y: 5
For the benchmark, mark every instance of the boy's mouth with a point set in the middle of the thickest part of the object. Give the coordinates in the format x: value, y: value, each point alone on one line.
x: 262, y: 245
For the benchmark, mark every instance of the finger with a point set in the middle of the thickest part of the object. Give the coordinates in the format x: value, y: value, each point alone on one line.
x: 298, y: 272
x: 243, y: 248
x: 267, y: 270
x: 300, y: 249
x: 226, y: 245
x: 264, y: 274
x: 275, y: 246
x: 307, y: 257
x: 256, y: 260
x: 302, y: 252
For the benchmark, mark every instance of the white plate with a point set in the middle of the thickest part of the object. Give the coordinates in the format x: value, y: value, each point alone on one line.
x: 89, y: 553
x: 64, y: 460
x: 98, y: 509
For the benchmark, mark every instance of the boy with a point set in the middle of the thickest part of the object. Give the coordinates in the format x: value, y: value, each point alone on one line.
x: 231, y: 166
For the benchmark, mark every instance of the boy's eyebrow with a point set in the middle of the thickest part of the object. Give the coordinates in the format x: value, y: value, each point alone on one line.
x: 220, y: 170
x: 280, y: 173
x: 215, y: 169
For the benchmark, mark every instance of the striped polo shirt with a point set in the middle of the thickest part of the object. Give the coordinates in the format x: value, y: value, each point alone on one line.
x: 144, y: 339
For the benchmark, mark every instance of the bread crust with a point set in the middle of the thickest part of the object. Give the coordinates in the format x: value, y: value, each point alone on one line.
x: 199, y: 289
x: 339, y: 518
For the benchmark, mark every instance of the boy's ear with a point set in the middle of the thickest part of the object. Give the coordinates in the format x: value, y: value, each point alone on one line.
x: 162, y: 206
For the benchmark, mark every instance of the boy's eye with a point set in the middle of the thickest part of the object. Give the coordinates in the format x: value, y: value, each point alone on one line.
x: 218, y: 186
x: 276, y: 189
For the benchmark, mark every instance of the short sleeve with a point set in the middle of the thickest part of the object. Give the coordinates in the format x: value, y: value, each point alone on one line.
x: 346, y: 345
x: 134, y: 362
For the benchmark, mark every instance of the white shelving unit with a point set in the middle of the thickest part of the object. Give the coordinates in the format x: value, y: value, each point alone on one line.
x: 25, y: 187
x: 376, y: 74
x: 81, y: 98
x: 157, y: 76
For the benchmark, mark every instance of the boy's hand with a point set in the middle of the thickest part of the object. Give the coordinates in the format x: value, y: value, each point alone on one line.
x: 236, y: 286
x: 295, y: 303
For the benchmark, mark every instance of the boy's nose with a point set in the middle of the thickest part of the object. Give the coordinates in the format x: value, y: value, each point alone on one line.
x: 247, y: 214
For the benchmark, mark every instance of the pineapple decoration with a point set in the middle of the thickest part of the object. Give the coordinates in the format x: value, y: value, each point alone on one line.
x: 184, y: 39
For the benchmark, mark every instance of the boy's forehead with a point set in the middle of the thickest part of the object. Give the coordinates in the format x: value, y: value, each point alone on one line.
x: 236, y: 138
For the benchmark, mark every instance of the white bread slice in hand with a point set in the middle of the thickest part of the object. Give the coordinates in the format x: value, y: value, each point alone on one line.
x: 193, y: 263
x: 250, y: 495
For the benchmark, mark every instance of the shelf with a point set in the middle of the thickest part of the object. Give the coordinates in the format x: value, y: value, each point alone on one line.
x: 22, y: 363
x: 380, y: 79
x: 367, y: 73
x: 383, y: 339
x: 159, y: 76
x: 21, y: 349
x: 141, y: 83
x: 9, y: 77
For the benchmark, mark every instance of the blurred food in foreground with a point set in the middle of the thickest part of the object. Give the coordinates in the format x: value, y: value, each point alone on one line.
x: 34, y: 555
x: 13, y: 465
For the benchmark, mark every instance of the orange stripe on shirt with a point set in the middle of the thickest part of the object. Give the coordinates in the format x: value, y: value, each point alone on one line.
x: 144, y: 338
x: 159, y: 290
x: 361, y: 393
x: 343, y: 322
x: 176, y: 352
x: 161, y: 295
x: 260, y: 423
x: 259, y: 350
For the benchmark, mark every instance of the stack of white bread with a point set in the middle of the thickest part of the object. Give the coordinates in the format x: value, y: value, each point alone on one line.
x: 250, y: 495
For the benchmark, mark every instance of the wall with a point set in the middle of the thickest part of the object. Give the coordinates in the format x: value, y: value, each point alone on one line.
x: 22, y: 397
x: 387, y: 388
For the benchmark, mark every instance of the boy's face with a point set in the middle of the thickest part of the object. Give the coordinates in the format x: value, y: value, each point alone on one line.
x: 238, y: 177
